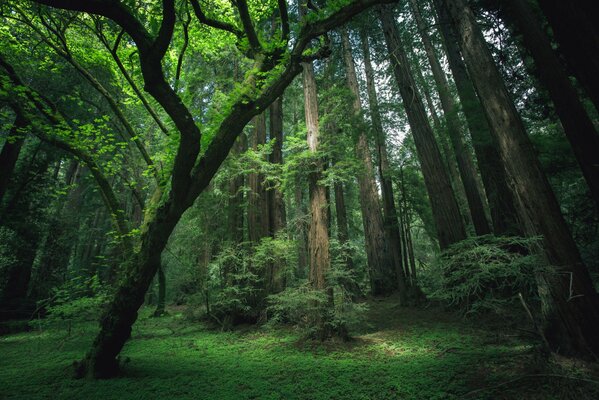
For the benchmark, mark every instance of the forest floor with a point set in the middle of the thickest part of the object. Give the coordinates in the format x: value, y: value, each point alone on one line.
x: 404, y: 353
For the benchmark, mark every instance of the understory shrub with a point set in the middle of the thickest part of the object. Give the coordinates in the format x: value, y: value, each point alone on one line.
x: 484, y: 274
x: 77, y: 300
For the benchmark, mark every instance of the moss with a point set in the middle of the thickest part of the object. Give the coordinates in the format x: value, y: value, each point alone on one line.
x: 407, y: 354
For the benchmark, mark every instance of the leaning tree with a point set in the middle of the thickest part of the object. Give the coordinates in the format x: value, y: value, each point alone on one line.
x: 274, y: 53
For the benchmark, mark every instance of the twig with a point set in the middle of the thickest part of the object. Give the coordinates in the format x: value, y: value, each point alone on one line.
x: 534, y: 322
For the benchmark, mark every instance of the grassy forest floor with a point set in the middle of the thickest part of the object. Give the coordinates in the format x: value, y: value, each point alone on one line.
x: 404, y: 353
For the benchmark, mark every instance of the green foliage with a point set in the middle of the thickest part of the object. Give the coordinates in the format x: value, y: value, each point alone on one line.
x: 484, y: 274
x: 77, y: 300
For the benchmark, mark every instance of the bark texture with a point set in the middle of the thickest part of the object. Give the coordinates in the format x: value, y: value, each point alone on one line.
x: 461, y: 152
x: 571, y: 307
x: 499, y: 196
x: 380, y: 264
x: 448, y: 221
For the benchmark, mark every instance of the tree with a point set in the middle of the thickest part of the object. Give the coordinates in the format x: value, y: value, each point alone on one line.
x: 570, y: 311
x: 273, y: 67
x: 462, y: 154
x: 382, y: 277
x: 500, y: 198
x: 448, y: 221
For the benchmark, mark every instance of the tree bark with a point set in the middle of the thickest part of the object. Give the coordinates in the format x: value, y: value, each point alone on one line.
x: 462, y: 155
x: 277, y: 217
x: 235, y: 211
x: 578, y: 127
x: 571, y: 306
x: 318, y: 233
x: 499, y: 195
x: 389, y: 211
x: 448, y: 221
x: 276, y: 203
x: 257, y: 213
x: 380, y: 264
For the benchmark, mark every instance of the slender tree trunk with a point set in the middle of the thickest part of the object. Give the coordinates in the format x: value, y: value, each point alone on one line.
x: 448, y: 221
x: 578, y: 127
x: 389, y: 211
x: 257, y: 213
x: 499, y: 195
x: 276, y: 203
x: 574, y: 26
x: 380, y: 267
x: 571, y: 306
x: 235, y: 211
x: 318, y: 234
x: 463, y: 158
x: 277, y: 217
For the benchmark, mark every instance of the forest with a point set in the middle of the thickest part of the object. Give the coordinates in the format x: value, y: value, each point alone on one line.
x: 299, y: 199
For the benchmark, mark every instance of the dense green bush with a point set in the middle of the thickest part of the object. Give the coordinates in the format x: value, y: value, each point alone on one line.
x: 484, y: 274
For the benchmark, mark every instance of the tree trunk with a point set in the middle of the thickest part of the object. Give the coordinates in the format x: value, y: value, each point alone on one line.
x: 117, y: 320
x: 382, y: 274
x: 257, y: 213
x: 463, y: 157
x: 448, y: 221
x: 571, y: 306
x: 499, y: 195
x: 389, y: 210
x: 318, y: 234
x: 277, y: 217
x: 235, y: 210
x: 574, y: 26
x: 276, y: 203
x: 578, y: 127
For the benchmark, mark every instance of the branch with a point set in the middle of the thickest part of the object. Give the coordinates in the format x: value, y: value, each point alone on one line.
x: 284, y: 14
x: 248, y: 26
x: 56, y: 119
x: 224, y: 26
x: 111, y: 9
x: 312, y: 30
x: 167, y: 26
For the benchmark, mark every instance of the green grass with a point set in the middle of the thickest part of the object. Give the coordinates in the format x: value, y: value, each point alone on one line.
x: 405, y: 354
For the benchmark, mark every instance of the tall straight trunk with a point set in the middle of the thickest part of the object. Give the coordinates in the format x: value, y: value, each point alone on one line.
x: 257, y: 213
x: 570, y: 303
x: 389, y: 210
x: 10, y: 152
x: 235, y: 210
x: 462, y: 155
x: 499, y: 196
x: 578, y: 127
x: 575, y: 28
x: 380, y: 267
x: 276, y: 204
x: 276, y: 214
x: 446, y: 213
x: 448, y: 159
x: 318, y: 234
